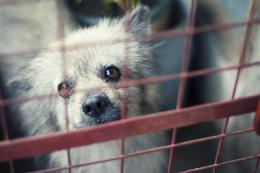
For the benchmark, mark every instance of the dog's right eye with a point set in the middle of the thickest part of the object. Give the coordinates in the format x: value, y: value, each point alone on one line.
x: 64, y: 89
x: 111, y: 74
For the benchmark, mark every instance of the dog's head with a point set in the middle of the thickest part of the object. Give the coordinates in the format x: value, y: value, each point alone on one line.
x: 84, y: 68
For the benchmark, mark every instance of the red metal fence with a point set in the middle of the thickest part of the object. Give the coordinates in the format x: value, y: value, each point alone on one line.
x: 173, y: 119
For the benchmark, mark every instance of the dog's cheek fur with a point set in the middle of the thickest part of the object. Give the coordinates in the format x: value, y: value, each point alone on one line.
x: 132, y: 95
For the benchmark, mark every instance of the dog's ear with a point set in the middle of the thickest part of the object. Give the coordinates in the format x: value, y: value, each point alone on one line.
x: 138, y: 21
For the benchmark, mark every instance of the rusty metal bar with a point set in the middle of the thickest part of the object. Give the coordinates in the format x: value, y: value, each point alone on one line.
x: 149, y: 80
x: 162, y: 35
x: 241, y: 62
x: 123, y: 105
x: 186, y: 52
x: 3, y: 125
x: 184, y: 69
x: 3, y: 120
x: 60, y: 36
x: 164, y: 120
x: 222, y: 164
x: 150, y: 150
x: 257, y: 164
x: 256, y: 123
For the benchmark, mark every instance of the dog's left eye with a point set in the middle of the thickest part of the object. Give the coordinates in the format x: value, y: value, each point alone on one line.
x: 111, y: 74
x: 64, y: 89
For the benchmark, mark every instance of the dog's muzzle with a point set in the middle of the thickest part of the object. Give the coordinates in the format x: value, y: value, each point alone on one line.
x: 99, y: 109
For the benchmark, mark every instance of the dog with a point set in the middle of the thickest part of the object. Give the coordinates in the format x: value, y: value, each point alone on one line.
x: 90, y: 58
x: 43, y: 118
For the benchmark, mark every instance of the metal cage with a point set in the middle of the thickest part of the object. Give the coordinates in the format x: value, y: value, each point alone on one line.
x: 11, y: 149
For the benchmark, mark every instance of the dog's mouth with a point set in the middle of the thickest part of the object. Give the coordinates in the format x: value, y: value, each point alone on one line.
x: 111, y: 113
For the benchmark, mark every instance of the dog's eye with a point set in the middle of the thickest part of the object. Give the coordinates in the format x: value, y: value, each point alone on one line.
x: 64, y: 89
x: 111, y: 74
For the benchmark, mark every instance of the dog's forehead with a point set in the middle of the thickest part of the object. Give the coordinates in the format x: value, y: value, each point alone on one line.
x: 94, y: 58
x: 100, y: 46
x: 105, y: 32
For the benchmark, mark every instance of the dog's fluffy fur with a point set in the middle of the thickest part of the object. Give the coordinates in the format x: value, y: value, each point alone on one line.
x: 86, y: 54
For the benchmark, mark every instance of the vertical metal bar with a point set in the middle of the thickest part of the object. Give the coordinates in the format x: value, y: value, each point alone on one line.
x: 256, y: 121
x: 61, y: 34
x: 241, y: 62
x: 257, y: 163
x: 184, y: 70
x: 122, y: 116
x: 124, y: 99
x: 3, y: 120
x: 5, y: 129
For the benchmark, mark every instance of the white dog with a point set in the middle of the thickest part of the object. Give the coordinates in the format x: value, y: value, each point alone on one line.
x: 87, y: 66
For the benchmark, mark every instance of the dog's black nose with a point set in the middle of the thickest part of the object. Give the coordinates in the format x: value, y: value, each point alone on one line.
x: 95, y: 105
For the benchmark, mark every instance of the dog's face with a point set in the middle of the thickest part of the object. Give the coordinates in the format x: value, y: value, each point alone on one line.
x: 88, y: 84
x: 93, y: 61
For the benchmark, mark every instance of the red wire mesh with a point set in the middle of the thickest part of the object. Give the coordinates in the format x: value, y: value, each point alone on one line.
x: 184, y: 69
x: 61, y: 35
x: 241, y: 61
x: 173, y: 119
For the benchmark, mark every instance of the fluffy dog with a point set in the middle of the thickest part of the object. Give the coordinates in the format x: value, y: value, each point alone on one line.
x: 92, y: 58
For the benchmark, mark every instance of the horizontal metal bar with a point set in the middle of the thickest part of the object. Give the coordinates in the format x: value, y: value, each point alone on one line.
x: 146, y: 151
x: 131, y: 83
x: 157, y: 36
x: 34, y: 145
x: 222, y: 164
